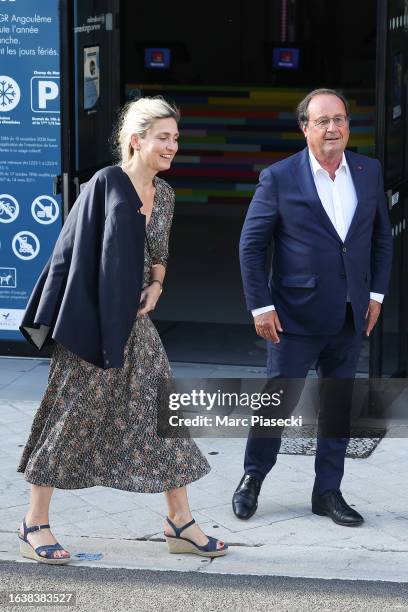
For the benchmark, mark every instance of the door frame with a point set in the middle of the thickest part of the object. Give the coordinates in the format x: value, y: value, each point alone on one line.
x: 382, y: 66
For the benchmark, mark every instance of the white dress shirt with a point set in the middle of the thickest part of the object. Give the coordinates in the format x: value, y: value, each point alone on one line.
x: 339, y: 200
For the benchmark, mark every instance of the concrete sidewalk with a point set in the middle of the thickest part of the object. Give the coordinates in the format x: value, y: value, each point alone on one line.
x: 283, y: 538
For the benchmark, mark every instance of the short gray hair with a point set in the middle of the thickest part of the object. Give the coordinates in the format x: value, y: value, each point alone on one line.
x: 302, y: 109
x: 137, y: 117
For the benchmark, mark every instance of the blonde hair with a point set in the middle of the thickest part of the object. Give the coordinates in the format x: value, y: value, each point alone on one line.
x: 137, y: 117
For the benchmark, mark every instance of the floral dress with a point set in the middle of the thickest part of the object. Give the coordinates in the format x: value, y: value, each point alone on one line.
x: 98, y: 427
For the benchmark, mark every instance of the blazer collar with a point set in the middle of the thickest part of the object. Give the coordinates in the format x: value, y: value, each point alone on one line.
x: 359, y: 175
x: 304, y: 178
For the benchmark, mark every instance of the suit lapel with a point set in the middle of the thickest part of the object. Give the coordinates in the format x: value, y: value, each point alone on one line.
x: 304, y: 177
x: 358, y: 175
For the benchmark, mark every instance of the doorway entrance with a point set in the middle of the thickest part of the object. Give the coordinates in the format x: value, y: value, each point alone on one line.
x: 237, y: 74
x: 237, y: 71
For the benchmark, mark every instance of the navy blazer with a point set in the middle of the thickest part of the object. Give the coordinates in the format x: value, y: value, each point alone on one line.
x: 88, y: 294
x: 312, y: 269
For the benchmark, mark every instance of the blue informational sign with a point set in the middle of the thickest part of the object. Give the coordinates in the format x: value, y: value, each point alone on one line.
x: 286, y: 57
x: 30, y: 151
x: 157, y: 58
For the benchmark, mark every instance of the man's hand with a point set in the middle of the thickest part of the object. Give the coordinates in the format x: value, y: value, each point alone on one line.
x: 372, y: 314
x: 267, y: 326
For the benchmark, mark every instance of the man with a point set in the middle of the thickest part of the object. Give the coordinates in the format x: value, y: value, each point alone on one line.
x: 325, y: 211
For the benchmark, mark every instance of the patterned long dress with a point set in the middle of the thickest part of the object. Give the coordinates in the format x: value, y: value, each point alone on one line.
x: 97, y: 427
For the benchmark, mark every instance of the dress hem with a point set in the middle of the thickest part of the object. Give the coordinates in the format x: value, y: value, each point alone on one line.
x: 154, y: 489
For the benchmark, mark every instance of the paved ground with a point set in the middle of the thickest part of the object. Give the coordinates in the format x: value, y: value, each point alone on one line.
x: 123, y: 590
x: 283, y: 539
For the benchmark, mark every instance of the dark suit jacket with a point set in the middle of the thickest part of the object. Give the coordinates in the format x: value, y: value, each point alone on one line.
x: 312, y: 269
x: 88, y: 294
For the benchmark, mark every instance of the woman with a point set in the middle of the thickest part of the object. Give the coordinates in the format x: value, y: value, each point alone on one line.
x: 97, y: 426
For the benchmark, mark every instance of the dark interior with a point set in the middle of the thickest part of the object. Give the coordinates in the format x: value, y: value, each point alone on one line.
x: 230, y: 42
x: 214, y: 49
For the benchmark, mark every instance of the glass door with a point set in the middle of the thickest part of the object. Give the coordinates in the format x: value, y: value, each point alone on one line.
x: 91, y: 93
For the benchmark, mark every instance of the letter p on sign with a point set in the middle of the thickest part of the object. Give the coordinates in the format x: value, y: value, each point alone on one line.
x: 45, y: 95
x: 47, y: 90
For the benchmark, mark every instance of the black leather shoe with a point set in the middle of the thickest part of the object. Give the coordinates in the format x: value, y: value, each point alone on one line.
x: 245, y: 498
x: 332, y: 504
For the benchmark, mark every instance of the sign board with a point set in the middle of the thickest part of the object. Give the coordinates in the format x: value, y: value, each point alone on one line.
x: 91, y: 77
x: 286, y: 57
x: 30, y: 215
x: 157, y: 58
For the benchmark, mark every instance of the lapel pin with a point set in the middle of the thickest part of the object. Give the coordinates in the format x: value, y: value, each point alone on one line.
x: 359, y: 167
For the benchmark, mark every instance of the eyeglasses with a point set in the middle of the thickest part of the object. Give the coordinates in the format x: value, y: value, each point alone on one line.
x: 324, y: 122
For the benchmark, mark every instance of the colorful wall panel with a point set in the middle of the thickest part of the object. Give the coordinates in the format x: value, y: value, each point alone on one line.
x: 228, y: 134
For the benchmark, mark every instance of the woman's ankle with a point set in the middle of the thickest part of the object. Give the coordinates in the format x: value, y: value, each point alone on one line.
x: 32, y: 518
x: 180, y: 518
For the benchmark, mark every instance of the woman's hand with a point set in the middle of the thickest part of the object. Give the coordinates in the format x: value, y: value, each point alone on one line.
x: 148, y: 298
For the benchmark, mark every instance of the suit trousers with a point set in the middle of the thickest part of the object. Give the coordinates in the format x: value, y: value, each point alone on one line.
x: 336, y: 357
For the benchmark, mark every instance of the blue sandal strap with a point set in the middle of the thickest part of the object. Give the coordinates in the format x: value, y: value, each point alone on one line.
x: 36, y: 528
x: 48, y: 547
x: 186, y: 525
x: 32, y: 528
x: 210, y: 546
x: 179, y: 530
